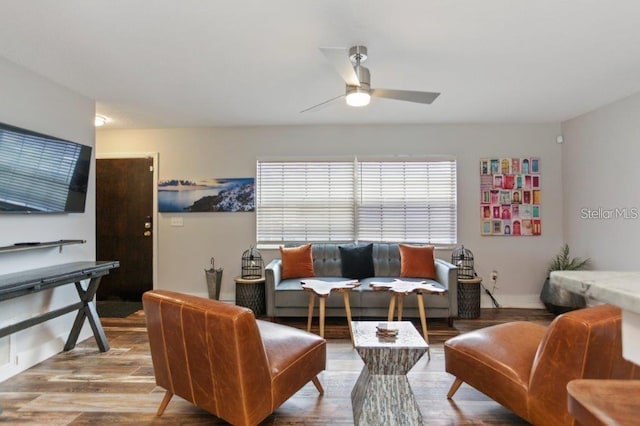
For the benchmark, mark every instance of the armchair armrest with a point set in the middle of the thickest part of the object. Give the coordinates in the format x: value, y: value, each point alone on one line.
x: 273, y: 276
x: 447, y: 276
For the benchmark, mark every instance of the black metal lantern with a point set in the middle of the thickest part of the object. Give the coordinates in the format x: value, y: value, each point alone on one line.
x: 252, y: 264
x: 463, y: 259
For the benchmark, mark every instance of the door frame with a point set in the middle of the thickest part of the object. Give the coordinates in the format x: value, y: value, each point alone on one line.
x: 154, y: 226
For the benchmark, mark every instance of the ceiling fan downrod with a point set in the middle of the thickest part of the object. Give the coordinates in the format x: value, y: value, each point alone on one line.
x: 359, y: 95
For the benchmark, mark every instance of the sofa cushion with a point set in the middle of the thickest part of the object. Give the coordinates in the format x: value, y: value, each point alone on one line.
x: 417, y: 261
x: 297, y: 262
x: 357, y: 262
x: 386, y: 260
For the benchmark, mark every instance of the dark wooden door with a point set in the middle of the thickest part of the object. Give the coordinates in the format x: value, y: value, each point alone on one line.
x: 124, y: 212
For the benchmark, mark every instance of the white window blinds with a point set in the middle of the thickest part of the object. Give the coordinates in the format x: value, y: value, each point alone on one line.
x: 356, y: 200
x: 407, y: 201
x: 304, y: 201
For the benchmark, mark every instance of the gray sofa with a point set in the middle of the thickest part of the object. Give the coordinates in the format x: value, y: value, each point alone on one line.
x: 286, y: 298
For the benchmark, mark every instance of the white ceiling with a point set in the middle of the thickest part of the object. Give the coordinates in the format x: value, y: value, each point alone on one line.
x: 193, y: 63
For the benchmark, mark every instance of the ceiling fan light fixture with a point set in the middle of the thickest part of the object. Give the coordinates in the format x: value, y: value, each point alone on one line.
x: 357, y: 97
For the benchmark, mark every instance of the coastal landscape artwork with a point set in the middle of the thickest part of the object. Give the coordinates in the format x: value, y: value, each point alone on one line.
x: 206, y: 195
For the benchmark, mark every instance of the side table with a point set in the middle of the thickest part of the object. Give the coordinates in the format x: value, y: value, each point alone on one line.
x: 398, y: 289
x: 322, y: 289
x: 250, y: 294
x: 382, y: 394
x: 469, y: 297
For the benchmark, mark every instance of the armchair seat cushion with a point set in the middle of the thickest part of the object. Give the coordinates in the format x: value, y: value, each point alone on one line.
x: 289, y: 352
x: 503, y: 353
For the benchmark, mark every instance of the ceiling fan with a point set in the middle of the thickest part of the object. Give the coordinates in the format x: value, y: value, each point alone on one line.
x: 358, y: 80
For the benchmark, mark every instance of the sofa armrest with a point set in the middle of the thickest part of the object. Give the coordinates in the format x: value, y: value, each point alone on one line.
x: 273, y: 276
x: 447, y: 276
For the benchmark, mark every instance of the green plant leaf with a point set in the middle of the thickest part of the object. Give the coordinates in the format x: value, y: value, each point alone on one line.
x: 563, y: 261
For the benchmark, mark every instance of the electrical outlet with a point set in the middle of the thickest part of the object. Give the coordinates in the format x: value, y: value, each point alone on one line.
x: 494, y: 275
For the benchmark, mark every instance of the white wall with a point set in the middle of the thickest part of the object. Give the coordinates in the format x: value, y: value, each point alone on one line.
x: 32, y: 102
x: 184, y: 252
x: 601, y: 174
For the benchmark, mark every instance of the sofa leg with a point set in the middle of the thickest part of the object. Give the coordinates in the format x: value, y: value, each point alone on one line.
x: 165, y: 401
x: 450, y: 322
x: 318, y: 385
x: 454, y: 388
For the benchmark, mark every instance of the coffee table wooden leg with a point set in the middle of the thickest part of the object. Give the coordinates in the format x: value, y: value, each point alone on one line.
x: 423, y: 321
x: 392, y: 307
x: 347, y: 309
x: 400, y: 306
x: 323, y: 301
x: 312, y: 298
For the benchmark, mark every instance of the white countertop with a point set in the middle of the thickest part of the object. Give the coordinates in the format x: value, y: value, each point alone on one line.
x: 617, y: 288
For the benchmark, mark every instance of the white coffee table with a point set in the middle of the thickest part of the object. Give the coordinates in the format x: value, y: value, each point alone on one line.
x: 382, y: 395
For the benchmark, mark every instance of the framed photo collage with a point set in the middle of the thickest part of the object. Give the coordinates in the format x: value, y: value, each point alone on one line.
x: 510, y: 197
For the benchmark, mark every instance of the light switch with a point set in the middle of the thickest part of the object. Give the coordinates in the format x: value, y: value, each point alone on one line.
x: 177, y: 221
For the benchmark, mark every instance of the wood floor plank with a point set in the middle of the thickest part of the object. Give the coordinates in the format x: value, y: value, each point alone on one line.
x: 88, y: 387
x: 128, y: 402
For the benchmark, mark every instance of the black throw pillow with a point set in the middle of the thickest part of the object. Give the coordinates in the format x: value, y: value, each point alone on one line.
x: 357, y: 262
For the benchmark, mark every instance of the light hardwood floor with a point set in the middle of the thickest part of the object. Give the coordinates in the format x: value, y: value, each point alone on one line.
x: 87, y: 387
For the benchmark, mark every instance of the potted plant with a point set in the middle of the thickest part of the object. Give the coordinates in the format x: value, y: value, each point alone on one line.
x: 555, y: 299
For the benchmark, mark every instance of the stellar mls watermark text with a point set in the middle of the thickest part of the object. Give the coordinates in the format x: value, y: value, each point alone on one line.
x: 624, y: 213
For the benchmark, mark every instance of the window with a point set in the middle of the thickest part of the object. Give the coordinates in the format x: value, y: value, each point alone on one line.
x: 407, y: 201
x: 357, y: 200
x: 304, y: 201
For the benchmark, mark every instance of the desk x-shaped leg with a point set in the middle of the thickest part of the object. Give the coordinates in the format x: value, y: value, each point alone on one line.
x: 88, y: 311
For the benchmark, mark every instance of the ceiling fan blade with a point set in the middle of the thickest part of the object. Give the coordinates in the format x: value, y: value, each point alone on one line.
x: 406, y: 95
x: 323, y: 104
x: 339, y: 58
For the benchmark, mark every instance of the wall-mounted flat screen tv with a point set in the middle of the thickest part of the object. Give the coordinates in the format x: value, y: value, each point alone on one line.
x: 40, y: 173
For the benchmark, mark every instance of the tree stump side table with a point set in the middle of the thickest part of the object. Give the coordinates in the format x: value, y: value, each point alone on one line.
x: 250, y: 294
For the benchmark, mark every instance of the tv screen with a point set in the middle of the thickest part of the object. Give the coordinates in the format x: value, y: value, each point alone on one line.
x: 40, y: 173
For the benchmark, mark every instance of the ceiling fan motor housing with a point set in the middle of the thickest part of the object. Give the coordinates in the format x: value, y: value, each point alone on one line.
x: 365, y: 80
x: 358, y: 54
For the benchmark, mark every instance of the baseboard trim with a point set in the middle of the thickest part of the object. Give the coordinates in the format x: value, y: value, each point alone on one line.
x: 523, y: 301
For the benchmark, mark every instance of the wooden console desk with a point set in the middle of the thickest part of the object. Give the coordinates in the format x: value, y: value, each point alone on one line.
x: 19, y: 284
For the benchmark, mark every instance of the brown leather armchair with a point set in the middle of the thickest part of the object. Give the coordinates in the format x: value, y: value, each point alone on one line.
x: 526, y: 367
x: 220, y: 358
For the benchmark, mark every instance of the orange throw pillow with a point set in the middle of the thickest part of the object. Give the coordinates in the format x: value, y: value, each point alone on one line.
x: 297, y: 262
x: 417, y: 261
